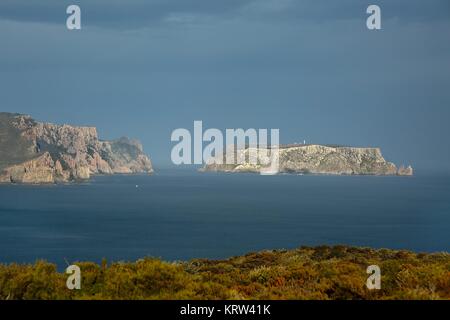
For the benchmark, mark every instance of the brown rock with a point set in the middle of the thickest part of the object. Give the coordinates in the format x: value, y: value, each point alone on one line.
x: 39, y: 170
x: 64, y: 152
x: 408, y: 171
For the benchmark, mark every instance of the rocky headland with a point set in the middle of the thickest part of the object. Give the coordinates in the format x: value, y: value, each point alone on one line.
x: 314, y: 159
x: 35, y: 152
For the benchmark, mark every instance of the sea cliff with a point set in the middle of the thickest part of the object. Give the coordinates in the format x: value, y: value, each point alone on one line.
x: 35, y: 152
x: 315, y: 159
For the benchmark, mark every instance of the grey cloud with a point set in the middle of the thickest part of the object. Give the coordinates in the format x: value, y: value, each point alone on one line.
x: 140, y: 13
x: 110, y: 13
x: 413, y: 10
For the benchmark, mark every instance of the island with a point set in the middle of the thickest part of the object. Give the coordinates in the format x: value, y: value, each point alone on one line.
x: 33, y: 152
x: 312, y: 159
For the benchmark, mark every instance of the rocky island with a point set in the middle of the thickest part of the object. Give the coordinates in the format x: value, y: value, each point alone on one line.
x: 316, y: 159
x: 35, y: 152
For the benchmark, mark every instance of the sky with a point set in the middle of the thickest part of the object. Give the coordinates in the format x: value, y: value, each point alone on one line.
x: 309, y: 68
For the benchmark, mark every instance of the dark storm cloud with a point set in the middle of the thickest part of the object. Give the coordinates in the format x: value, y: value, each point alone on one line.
x: 124, y: 14
x: 141, y: 13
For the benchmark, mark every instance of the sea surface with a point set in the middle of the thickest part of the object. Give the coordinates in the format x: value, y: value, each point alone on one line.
x: 179, y: 215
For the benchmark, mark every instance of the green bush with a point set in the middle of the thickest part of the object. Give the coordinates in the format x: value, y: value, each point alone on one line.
x: 306, y: 273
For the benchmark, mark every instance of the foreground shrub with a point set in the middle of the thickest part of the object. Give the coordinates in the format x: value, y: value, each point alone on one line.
x: 306, y: 273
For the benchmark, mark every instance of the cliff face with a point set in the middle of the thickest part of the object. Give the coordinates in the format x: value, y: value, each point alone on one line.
x: 318, y: 159
x: 34, y: 152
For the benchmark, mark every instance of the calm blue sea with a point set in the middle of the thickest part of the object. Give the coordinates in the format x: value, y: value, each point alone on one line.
x: 180, y: 215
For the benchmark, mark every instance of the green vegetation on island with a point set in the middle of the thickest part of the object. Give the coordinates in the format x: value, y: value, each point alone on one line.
x: 322, y: 272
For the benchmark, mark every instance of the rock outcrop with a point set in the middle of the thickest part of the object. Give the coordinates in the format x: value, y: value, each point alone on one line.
x: 39, y: 170
x: 405, y: 171
x: 314, y: 159
x: 34, y: 152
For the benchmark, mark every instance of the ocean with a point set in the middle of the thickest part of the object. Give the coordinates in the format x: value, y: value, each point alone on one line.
x: 179, y: 215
